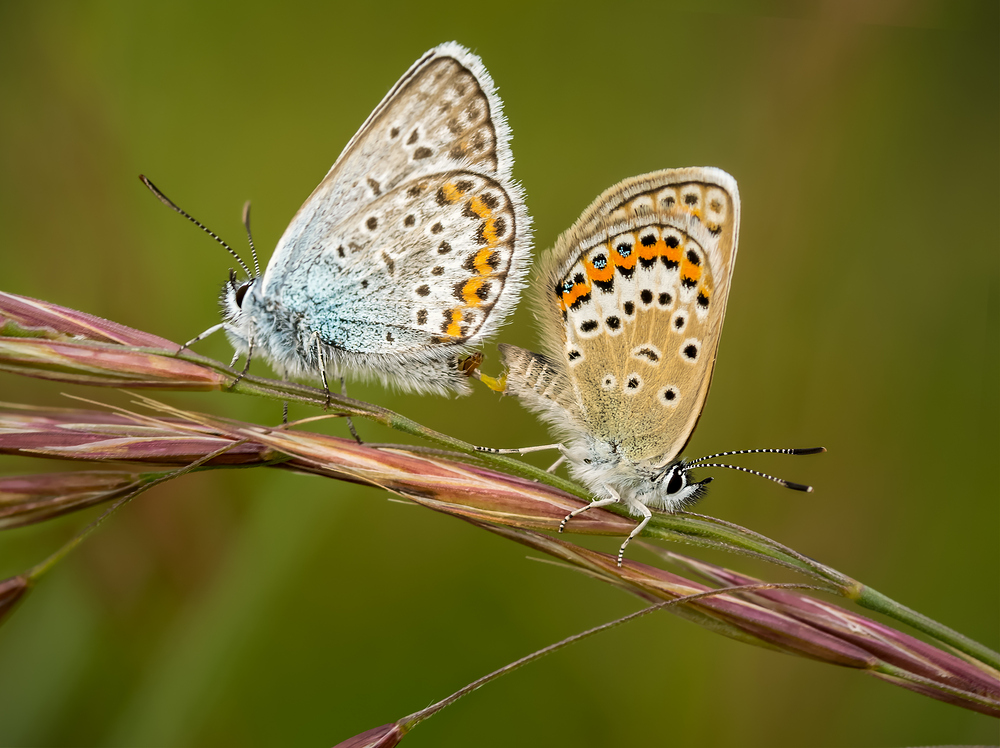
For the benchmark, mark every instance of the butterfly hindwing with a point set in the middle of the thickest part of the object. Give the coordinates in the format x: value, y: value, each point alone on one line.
x: 427, y: 272
x: 634, y: 296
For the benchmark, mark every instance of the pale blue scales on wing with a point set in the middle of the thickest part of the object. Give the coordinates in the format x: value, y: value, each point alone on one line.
x: 410, y: 253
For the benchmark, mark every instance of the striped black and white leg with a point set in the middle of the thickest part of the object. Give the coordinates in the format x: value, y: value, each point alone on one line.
x: 646, y: 516
x: 615, y: 498
x: 524, y: 450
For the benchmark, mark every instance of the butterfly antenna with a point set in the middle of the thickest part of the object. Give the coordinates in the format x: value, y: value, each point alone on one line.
x: 170, y: 204
x: 700, y: 463
x: 253, y: 249
x: 805, y: 451
x: 780, y: 481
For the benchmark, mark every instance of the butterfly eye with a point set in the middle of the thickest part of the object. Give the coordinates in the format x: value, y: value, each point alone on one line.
x: 240, y: 293
x: 677, y: 480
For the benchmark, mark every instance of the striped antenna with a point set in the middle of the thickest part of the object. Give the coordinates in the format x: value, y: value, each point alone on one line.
x: 806, y: 451
x: 780, y: 481
x: 253, y: 249
x: 700, y: 463
x: 170, y: 204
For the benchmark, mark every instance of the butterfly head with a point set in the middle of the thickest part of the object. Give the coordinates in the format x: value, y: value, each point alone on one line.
x: 673, y: 487
x: 233, y: 298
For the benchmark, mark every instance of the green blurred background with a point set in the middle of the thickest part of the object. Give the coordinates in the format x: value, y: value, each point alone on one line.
x: 256, y: 608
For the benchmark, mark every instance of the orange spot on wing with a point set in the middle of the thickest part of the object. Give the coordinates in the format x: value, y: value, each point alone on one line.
x: 490, y: 231
x: 454, y: 329
x: 626, y: 263
x: 451, y: 192
x: 478, y: 206
x: 673, y: 254
x: 600, y: 274
x: 481, y: 263
x: 568, y: 298
x: 652, y: 251
x: 469, y: 291
x: 690, y: 271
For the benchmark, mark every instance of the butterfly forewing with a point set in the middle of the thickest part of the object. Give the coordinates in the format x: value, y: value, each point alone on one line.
x: 635, y: 296
x: 441, y: 116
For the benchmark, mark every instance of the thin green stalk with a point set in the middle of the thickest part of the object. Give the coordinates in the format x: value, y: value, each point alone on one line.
x: 874, y: 600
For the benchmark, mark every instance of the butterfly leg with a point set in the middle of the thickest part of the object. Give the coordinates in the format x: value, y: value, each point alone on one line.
x: 556, y: 464
x: 322, y: 368
x: 209, y: 331
x: 615, y: 498
x: 523, y: 450
x: 350, y: 423
x: 246, y: 366
x: 646, y: 516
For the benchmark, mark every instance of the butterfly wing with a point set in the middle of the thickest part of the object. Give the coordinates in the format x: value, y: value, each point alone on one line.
x: 633, y: 298
x: 416, y: 242
x: 542, y: 385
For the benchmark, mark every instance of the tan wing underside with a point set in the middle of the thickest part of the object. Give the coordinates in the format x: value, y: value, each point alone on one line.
x: 634, y: 300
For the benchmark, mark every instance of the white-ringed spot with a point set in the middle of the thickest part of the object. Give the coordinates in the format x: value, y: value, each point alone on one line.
x: 678, y: 323
x: 588, y: 328
x: 691, y: 197
x: 613, y: 325
x: 690, y: 350
x: 669, y: 397
x: 667, y: 199
x: 633, y: 383
x: 715, y: 206
x: 642, y: 204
